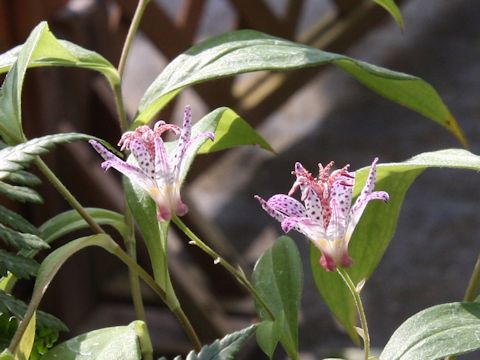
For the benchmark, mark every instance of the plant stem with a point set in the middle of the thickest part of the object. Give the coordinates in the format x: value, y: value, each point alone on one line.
x: 142, y: 4
x: 134, y: 283
x: 121, y: 113
x: 130, y: 246
x: 238, y: 274
x: 473, y: 283
x: 129, y: 239
x: 67, y: 195
x: 187, y: 326
x: 361, y: 312
x: 472, y: 290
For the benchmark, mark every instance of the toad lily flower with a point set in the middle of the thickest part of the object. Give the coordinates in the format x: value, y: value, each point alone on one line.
x: 156, y: 171
x: 328, y: 217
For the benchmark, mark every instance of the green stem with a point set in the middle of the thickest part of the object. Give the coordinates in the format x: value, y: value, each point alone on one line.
x: 129, y: 237
x: 130, y: 246
x: 185, y: 323
x: 471, y: 292
x: 238, y: 274
x: 130, y: 242
x: 361, y: 312
x: 122, y: 115
x: 67, y: 195
x: 141, y: 6
x: 473, y: 284
x: 111, y: 246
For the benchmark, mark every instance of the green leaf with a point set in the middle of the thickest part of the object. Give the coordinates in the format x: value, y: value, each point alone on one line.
x: 20, y: 266
x: 118, y: 342
x: 53, y: 262
x: 393, y: 10
x: 247, y: 51
x: 49, y: 51
x: 230, y: 131
x: 16, y: 221
x: 70, y: 221
x: 223, y: 349
x: 437, y: 332
x: 41, y: 45
x: 24, y: 348
x: 144, y: 212
x: 278, y: 278
x: 268, y: 335
x: 16, y: 157
x: 17, y: 308
x: 22, y: 177
x: 8, y: 325
x: 20, y: 193
x: 378, y: 224
x: 21, y: 240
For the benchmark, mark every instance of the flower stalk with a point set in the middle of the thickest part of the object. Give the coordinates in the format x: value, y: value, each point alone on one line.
x: 236, y: 273
x: 360, y: 310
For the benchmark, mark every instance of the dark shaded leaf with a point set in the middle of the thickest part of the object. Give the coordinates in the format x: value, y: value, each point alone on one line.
x: 8, y: 304
x: 20, y: 266
x: 19, y: 193
x: 16, y: 222
x: 21, y: 240
x: 223, y: 349
x: 16, y: 157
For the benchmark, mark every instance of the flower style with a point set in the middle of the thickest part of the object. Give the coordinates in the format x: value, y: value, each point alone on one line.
x: 157, y: 172
x: 328, y: 217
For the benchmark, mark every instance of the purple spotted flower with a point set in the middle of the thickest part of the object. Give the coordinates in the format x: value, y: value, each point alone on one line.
x: 327, y: 216
x: 156, y: 171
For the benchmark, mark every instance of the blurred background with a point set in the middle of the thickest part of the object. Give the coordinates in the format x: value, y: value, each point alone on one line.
x: 311, y: 116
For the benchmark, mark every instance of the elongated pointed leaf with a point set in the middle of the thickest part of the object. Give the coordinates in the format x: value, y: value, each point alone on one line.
x: 247, y: 51
x: 20, y: 266
x: 393, y: 10
x: 16, y: 157
x: 49, y: 51
x: 26, y: 343
x: 230, y: 131
x: 118, y: 342
x: 437, y: 332
x: 144, y: 211
x: 22, y: 177
x: 50, y: 266
x: 41, y: 45
x: 268, y: 335
x: 70, y: 220
x: 21, y: 240
x: 20, y: 193
x: 17, y: 308
x: 16, y: 221
x: 378, y: 224
x: 278, y: 278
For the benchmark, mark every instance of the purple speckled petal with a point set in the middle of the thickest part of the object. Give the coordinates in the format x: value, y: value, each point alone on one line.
x: 287, y: 206
x: 144, y: 160
x: 162, y: 163
x: 308, y: 227
x: 184, y: 138
x: 338, y: 222
x: 313, y: 206
x: 132, y: 172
